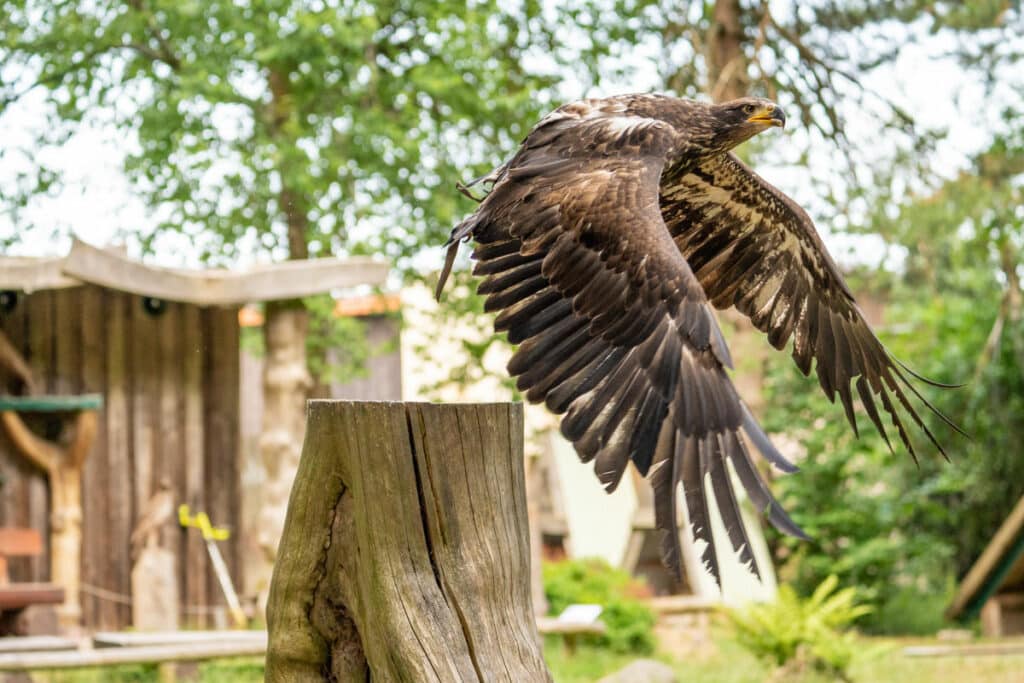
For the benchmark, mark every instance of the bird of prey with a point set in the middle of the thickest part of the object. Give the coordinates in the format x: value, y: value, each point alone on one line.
x: 604, y: 244
x: 156, y: 513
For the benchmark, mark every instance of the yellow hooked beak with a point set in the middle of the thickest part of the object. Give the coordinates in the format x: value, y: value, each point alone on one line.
x: 769, y: 115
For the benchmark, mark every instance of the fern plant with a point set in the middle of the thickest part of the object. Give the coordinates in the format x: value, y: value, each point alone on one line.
x: 797, y: 634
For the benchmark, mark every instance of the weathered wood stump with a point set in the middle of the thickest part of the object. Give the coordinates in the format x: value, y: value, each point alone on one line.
x: 405, y: 554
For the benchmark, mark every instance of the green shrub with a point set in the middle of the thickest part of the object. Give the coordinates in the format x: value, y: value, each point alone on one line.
x: 797, y: 634
x: 629, y: 622
x: 911, y: 611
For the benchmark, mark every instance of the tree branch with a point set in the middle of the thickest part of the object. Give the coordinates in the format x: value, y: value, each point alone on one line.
x: 166, y: 53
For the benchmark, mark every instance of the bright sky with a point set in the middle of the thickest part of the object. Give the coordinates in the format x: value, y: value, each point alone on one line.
x: 98, y: 204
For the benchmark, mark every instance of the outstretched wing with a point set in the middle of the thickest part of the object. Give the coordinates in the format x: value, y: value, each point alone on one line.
x: 614, y: 331
x: 754, y: 248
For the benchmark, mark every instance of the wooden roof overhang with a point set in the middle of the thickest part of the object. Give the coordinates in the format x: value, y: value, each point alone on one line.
x: 1001, y: 564
x: 86, y: 264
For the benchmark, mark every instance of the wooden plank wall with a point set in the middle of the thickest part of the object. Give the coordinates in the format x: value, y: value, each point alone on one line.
x: 171, y: 389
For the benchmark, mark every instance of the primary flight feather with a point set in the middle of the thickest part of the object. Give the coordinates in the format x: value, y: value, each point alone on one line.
x: 603, y: 245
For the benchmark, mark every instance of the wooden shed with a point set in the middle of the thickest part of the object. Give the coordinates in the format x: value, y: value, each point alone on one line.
x: 994, y: 586
x: 161, y: 347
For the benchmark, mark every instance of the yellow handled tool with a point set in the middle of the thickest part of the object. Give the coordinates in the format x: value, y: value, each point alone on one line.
x: 211, y: 535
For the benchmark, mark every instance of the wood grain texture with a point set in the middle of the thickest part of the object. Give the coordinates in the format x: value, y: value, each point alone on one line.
x: 116, y: 574
x: 195, y: 560
x: 170, y: 410
x: 170, y: 467
x: 41, y: 335
x: 405, y: 555
x: 221, y: 479
x: 95, y: 548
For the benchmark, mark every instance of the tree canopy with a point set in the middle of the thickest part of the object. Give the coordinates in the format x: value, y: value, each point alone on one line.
x: 294, y: 128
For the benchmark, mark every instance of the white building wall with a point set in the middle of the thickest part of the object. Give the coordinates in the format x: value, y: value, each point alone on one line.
x: 599, y: 523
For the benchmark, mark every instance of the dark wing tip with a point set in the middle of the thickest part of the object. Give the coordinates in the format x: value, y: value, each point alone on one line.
x: 764, y: 444
x: 922, y: 378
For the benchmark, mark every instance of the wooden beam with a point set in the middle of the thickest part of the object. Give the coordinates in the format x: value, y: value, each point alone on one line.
x: 51, y: 403
x: 34, y: 274
x: 278, y: 281
x: 981, y: 571
x: 16, y: 363
x: 554, y: 626
x: 19, y: 595
x: 1014, y: 647
x: 405, y: 555
x: 10, y: 644
x: 86, y: 426
x: 140, y: 639
x: 190, y: 652
x: 36, y: 450
x: 18, y: 542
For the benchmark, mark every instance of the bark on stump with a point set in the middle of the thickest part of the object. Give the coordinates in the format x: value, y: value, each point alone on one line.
x: 405, y: 554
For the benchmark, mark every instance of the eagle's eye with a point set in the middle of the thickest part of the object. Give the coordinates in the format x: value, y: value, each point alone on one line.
x: 748, y: 109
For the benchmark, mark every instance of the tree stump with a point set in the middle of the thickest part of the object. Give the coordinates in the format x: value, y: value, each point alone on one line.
x: 405, y: 554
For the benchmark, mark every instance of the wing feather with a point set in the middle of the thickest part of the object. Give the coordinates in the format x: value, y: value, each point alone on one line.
x: 752, y: 247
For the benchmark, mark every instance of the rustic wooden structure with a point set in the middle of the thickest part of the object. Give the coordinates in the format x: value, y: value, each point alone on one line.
x: 161, y: 346
x: 405, y: 555
x: 994, y: 586
x: 15, y: 598
x: 62, y: 464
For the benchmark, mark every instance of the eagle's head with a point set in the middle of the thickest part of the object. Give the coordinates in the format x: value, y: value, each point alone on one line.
x: 739, y: 120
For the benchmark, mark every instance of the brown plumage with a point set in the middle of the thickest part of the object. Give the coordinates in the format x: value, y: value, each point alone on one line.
x: 603, y: 245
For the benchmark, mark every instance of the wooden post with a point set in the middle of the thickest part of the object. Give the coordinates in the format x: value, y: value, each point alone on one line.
x: 405, y: 554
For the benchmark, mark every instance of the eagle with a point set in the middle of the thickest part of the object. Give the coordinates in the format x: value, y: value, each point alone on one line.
x: 605, y: 244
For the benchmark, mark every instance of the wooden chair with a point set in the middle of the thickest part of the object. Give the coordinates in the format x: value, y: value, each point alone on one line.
x: 15, y: 598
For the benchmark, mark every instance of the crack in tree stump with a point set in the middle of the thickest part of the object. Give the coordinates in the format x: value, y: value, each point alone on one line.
x: 405, y: 555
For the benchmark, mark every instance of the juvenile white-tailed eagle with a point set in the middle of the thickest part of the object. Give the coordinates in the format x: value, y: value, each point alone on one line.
x: 604, y: 243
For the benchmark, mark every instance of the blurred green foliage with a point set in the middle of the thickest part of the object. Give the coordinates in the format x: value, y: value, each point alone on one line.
x: 336, y: 348
x: 240, y: 670
x: 904, y: 531
x: 630, y: 623
x: 795, y: 633
x: 282, y: 126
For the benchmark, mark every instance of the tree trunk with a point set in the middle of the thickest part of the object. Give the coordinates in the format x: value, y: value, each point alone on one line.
x: 286, y: 378
x: 727, y: 64
x: 406, y: 554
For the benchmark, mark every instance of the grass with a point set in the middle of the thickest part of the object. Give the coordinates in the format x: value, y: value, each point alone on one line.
x: 245, y: 670
x: 728, y: 664
x: 884, y: 663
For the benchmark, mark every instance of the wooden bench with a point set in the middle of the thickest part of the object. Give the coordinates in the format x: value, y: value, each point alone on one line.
x: 15, y: 598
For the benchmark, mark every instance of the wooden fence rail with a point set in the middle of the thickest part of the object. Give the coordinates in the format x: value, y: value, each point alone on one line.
x: 405, y: 554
